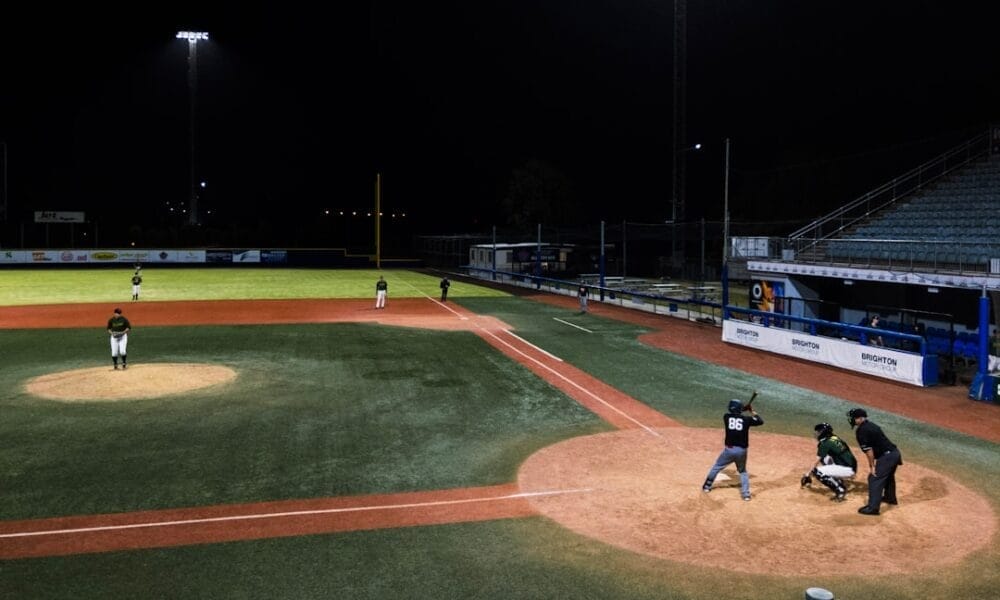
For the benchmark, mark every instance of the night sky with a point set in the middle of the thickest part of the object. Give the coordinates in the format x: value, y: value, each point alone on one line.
x: 299, y: 105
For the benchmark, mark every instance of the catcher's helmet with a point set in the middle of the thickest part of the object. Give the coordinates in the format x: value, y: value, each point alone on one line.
x: 854, y: 413
x: 823, y: 430
x: 735, y: 406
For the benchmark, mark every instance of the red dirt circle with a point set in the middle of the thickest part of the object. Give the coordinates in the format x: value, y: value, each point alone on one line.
x: 642, y: 492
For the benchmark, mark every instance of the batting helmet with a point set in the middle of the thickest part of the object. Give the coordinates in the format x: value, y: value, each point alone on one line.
x: 735, y: 406
x: 823, y: 430
x: 854, y: 413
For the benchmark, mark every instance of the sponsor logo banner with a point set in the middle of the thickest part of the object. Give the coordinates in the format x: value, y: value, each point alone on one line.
x: 59, y: 216
x: 246, y: 256
x: 882, y: 362
x: 217, y: 256
x: 274, y: 256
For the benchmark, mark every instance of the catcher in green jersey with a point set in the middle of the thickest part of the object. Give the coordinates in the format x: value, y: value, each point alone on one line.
x: 834, y: 463
x: 118, y: 328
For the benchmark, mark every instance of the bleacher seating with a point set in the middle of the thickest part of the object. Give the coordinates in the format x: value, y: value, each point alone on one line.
x: 952, y: 222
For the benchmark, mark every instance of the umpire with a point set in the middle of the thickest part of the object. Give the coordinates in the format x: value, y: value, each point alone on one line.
x: 883, y: 458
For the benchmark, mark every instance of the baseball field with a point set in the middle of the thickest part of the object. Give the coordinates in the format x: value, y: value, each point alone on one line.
x: 276, y: 436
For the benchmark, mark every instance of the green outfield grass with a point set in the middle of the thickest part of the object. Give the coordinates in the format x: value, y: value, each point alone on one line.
x: 346, y: 409
x: 317, y: 410
x: 41, y: 286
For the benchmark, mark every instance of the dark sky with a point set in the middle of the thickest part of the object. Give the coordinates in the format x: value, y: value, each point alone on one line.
x: 299, y: 105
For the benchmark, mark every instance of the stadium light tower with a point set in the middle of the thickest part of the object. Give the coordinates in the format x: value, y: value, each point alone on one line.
x: 193, y: 37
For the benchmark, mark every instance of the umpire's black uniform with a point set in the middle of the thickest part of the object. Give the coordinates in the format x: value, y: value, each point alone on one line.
x: 886, y: 456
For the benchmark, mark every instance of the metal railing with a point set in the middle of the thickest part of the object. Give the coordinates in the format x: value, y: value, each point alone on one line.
x: 686, y: 303
x: 886, y: 194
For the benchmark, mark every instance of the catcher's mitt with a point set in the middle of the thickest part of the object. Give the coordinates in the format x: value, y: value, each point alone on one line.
x: 806, y: 481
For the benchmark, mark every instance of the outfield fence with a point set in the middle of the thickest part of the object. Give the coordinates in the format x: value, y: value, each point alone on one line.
x: 693, y: 303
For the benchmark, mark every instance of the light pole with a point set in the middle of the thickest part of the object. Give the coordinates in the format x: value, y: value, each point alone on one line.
x: 192, y: 37
x: 677, y: 171
x: 677, y: 212
x: 3, y: 207
x: 725, y: 238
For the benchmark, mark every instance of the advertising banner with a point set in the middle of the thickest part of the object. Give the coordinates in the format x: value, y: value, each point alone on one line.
x: 190, y: 256
x: 881, y: 362
x: 246, y: 256
x: 219, y: 256
x: 13, y: 256
x: 59, y: 216
x: 274, y: 256
x: 767, y: 295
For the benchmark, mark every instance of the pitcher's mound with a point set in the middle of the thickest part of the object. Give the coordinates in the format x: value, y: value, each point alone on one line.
x: 138, y: 381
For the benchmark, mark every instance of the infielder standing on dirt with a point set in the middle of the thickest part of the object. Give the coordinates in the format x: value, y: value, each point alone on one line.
x: 834, y: 463
x: 118, y: 328
x: 381, y: 289
x: 883, y: 458
x: 737, y: 440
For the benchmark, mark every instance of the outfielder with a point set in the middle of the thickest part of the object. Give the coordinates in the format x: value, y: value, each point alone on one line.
x: 118, y: 328
x: 834, y: 463
x: 136, y: 283
x: 737, y: 440
x: 381, y: 289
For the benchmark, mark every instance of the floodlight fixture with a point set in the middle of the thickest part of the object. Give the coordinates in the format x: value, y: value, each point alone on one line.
x: 192, y: 36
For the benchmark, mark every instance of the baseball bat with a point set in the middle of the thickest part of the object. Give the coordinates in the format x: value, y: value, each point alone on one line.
x: 749, y: 405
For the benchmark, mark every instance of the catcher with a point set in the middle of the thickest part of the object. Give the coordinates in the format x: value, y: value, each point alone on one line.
x: 834, y: 462
x: 118, y: 328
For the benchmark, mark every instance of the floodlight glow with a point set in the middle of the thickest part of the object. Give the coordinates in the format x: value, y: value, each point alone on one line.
x: 192, y: 36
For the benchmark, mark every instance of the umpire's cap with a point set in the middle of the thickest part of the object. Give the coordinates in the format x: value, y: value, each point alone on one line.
x: 854, y: 413
x: 735, y: 406
x: 118, y: 311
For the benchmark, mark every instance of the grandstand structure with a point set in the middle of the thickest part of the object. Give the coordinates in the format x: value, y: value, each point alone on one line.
x: 922, y: 251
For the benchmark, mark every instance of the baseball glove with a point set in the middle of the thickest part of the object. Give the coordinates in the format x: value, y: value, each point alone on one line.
x: 118, y: 336
x: 806, y: 480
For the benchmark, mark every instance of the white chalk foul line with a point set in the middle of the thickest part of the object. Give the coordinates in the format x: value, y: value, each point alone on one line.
x: 572, y: 325
x: 295, y: 513
x: 574, y: 384
x: 524, y: 341
x: 438, y: 302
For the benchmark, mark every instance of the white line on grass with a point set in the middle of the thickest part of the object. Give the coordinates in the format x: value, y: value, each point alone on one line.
x: 574, y: 384
x: 545, y: 352
x: 572, y: 325
x: 296, y: 513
